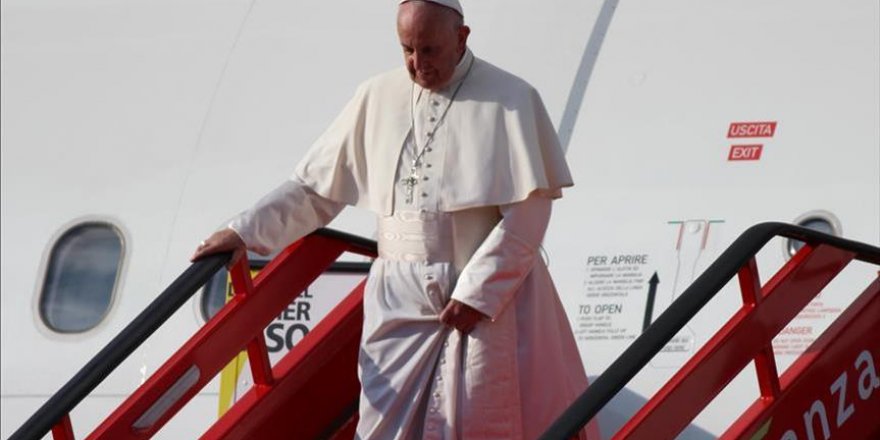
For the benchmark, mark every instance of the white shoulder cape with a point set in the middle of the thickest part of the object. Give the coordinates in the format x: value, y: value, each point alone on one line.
x: 501, y: 145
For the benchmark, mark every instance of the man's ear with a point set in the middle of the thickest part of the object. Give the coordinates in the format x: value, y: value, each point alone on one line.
x: 463, y: 33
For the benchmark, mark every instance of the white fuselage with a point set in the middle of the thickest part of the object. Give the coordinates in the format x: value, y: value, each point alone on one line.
x: 167, y: 119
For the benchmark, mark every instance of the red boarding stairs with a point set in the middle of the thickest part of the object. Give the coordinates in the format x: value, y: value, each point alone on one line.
x: 316, y: 382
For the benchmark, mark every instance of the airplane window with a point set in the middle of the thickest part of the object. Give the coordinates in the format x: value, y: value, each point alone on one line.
x: 81, y: 277
x: 214, y: 295
x: 822, y: 221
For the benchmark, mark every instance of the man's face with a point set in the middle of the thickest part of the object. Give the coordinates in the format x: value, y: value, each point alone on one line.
x: 433, y: 42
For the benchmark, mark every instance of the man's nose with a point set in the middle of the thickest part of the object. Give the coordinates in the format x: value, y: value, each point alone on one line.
x: 417, y: 60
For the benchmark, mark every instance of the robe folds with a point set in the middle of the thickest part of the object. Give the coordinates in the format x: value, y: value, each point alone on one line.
x: 471, y: 232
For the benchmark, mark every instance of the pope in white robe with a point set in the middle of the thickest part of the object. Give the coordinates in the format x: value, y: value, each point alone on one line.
x: 461, y: 171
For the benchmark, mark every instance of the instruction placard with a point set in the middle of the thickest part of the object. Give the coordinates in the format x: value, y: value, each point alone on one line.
x: 614, y: 288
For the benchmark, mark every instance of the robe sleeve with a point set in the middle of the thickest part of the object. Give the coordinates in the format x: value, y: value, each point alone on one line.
x: 495, y: 272
x: 288, y: 213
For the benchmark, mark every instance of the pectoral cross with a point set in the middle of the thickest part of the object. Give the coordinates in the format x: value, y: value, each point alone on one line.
x: 410, y: 183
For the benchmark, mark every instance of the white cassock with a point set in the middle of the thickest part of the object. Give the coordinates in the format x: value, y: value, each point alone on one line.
x: 471, y: 231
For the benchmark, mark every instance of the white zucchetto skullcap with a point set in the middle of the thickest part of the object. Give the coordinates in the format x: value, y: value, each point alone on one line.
x: 451, y: 4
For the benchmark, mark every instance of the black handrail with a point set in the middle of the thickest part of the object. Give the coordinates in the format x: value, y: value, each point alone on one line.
x: 668, y: 324
x: 136, y: 332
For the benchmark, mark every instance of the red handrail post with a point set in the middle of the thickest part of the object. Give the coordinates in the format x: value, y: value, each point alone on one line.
x: 240, y: 272
x: 63, y: 430
x: 765, y: 361
x: 258, y: 354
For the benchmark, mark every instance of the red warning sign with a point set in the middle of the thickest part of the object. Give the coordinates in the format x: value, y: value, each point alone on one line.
x: 745, y: 152
x: 751, y: 129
